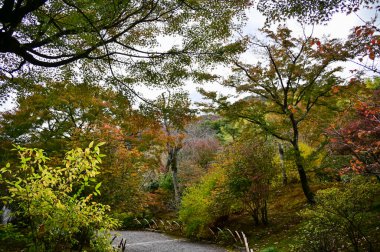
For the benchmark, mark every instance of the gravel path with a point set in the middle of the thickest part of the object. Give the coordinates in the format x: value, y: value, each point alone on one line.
x: 139, y: 241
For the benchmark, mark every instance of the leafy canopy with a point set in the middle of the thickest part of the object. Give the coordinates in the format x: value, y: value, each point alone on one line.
x: 115, y: 33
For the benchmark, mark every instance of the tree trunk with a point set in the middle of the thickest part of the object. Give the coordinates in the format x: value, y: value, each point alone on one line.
x: 301, y: 171
x: 264, y: 213
x: 284, y: 176
x: 174, y: 170
x: 303, y: 178
x: 255, y: 217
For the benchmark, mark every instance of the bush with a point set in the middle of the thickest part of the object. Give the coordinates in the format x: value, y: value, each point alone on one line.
x: 203, y: 204
x: 341, y: 219
x: 52, y: 203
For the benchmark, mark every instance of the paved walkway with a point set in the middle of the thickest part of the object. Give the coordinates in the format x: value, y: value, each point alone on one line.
x: 144, y: 241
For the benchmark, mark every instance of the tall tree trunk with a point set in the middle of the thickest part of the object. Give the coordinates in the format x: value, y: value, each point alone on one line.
x: 174, y: 170
x: 284, y: 176
x: 301, y: 171
x: 302, y: 174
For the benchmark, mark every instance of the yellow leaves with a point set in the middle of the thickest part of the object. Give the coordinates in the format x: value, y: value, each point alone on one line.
x: 60, y: 206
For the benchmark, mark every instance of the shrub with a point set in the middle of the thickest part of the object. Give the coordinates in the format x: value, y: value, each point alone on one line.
x: 341, y: 219
x: 51, y: 201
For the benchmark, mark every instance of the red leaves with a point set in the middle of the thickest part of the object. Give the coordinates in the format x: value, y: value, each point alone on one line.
x: 368, y: 40
x: 360, y: 137
x: 316, y: 41
x: 358, y: 31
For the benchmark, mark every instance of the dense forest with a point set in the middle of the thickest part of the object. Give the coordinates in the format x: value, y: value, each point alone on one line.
x: 287, y: 160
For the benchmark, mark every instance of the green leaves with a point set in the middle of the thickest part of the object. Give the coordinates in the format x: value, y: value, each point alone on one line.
x: 343, y: 211
x: 58, y: 198
x: 97, y: 192
x: 127, y: 34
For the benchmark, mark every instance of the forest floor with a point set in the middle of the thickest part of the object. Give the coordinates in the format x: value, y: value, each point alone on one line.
x: 281, y: 232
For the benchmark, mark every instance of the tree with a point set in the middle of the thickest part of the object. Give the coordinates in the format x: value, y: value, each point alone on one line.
x: 249, y: 165
x: 364, y: 43
x: 119, y: 33
x: 285, y: 89
x: 174, y: 113
x: 364, y: 40
x: 62, y: 115
x: 200, y: 147
x: 311, y: 12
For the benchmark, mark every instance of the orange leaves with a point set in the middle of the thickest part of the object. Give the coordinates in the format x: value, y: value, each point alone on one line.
x: 334, y: 140
x: 293, y: 109
x: 358, y: 31
x: 357, y: 166
x: 364, y: 30
x: 335, y: 89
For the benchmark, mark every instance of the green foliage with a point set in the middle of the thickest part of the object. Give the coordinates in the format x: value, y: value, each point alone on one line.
x: 341, y: 219
x: 10, y: 236
x: 269, y: 249
x: 101, y: 243
x: 238, y: 180
x: 51, y: 201
x: 63, y: 115
x: 227, y: 131
x: 166, y: 182
x: 373, y: 83
x: 102, y: 35
x: 204, y: 203
x: 311, y: 12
